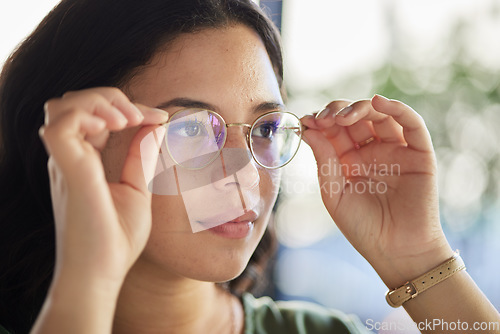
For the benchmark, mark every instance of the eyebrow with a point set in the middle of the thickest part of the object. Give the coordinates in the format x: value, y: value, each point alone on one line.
x: 189, y: 103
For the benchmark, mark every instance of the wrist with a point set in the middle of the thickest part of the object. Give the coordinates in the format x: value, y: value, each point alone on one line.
x: 415, y: 287
x: 70, y: 281
x: 396, y: 270
x: 85, y: 290
x: 78, y: 304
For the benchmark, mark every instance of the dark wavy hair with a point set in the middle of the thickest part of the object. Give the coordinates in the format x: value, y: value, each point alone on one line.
x: 82, y: 44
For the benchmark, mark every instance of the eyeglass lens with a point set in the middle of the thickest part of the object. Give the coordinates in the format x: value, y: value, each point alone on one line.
x: 275, y: 138
x: 195, y: 137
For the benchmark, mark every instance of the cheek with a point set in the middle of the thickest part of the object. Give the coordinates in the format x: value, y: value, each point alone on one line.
x: 269, y: 185
x: 169, y: 215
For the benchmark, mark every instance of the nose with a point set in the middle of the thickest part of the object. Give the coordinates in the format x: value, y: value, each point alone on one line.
x: 237, y: 168
x: 237, y: 158
x: 237, y: 135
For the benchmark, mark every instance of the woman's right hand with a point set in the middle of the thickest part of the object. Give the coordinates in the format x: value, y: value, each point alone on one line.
x: 101, y: 227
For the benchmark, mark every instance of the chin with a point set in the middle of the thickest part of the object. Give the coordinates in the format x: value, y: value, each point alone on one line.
x: 221, y: 276
x: 174, y: 252
x: 218, y: 267
x: 215, y: 274
x: 199, y: 259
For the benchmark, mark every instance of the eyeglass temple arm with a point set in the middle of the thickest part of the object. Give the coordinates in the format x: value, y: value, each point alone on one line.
x: 302, y: 128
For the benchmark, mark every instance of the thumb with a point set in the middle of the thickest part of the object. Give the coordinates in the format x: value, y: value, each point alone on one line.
x: 330, y: 174
x: 142, y: 158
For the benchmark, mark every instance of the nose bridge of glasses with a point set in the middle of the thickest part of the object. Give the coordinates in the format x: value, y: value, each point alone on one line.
x: 228, y: 125
x: 231, y: 139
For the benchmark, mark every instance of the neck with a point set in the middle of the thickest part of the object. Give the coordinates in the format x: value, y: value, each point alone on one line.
x: 151, y: 302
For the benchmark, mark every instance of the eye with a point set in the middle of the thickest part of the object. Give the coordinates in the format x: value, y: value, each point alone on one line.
x: 190, y: 129
x: 265, y: 130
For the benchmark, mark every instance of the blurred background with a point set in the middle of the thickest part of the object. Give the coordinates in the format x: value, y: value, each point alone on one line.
x: 440, y: 57
x: 443, y: 59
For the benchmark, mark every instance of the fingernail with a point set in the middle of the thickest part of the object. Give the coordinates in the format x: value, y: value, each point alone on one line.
x: 323, y: 113
x: 344, y: 111
x: 160, y: 111
x: 138, y: 112
x: 382, y: 97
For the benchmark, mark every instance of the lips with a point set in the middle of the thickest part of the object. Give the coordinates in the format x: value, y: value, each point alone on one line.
x: 249, y: 216
x: 237, y: 228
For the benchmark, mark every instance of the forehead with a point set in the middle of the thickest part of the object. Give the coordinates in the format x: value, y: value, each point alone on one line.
x: 226, y: 63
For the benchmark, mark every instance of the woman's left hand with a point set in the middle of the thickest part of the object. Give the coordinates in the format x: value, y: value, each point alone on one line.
x: 378, y: 179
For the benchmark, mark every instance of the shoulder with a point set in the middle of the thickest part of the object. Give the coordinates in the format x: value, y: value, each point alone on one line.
x: 264, y: 315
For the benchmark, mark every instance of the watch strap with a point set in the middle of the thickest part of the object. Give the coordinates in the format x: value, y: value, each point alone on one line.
x: 411, y: 289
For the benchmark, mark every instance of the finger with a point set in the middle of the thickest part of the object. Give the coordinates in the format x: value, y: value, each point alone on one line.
x: 118, y: 99
x: 361, y: 132
x: 152, y: 115
x: 340, y: 139
x: 63, y: 138
x: 92, y: 103
x: 114, y: 96
x: 415, y: 132
x: 330, y: 174
x: 326, y: 117
x: 142, y: 158
x: 309, y: 121
x: 99, y: 140
x: 384, y: 127
x: 358, y: 126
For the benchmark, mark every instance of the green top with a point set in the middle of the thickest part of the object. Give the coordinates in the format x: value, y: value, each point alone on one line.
x: 265, y: 316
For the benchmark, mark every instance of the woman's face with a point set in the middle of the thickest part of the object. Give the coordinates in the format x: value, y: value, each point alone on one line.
x: 226, y: 70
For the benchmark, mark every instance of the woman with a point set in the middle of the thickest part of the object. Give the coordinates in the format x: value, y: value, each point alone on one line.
x: 127, y: 260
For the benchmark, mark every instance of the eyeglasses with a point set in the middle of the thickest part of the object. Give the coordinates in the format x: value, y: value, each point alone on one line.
x: 195, y: 137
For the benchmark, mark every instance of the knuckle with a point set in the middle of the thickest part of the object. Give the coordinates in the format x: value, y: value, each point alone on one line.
x: 96, y: 97
x: 115, y: 90
x: 51, y: 164
x: 41, y: 132
x: 90, y: 100
x: 50, y: 105
x: 47, y: 134
x: 55, y: 128
x: 69, y: 94
x: 113, y: 93
x: 73, y: 115
x: 421, y: 120
x: 73, y: 98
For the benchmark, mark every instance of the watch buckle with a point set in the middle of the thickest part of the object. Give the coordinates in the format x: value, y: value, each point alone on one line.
x: 411, y: 289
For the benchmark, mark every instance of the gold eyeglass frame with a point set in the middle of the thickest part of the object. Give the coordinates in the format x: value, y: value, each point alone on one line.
x: 249, y: 140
